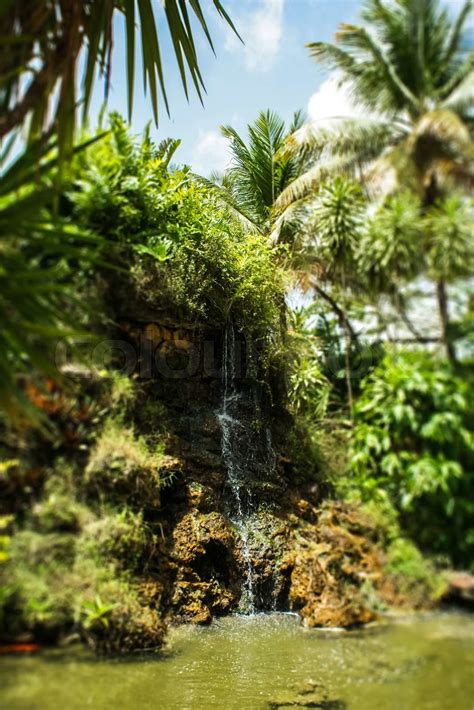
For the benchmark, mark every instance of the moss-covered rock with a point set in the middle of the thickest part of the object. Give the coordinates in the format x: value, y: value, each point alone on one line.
x: 206, y: 562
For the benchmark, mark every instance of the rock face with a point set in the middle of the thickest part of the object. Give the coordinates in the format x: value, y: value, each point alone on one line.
x: 202, y: 558
x: 320, y: 559
x: 332, y: 559
x: 206, y: 561
x: 461, y: 589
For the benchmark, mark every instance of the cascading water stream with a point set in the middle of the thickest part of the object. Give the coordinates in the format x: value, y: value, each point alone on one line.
x: 235, y: 458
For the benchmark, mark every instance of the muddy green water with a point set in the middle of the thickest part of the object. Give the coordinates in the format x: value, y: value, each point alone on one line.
x: 248, y: 663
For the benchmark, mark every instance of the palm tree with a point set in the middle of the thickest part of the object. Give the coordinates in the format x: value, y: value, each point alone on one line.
x: 260, y: 171
x: 42, y: 41
x: 258, y: 174
x: 409, y: 68
x: 450, y: 253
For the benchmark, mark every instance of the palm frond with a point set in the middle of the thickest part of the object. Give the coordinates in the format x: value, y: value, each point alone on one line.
x: 224, y: 195
x: 46, y: 38
x: 255, y: 174
x: 456, y: 35
x: 461, y: 98
x: 359, y: 40
x: 463, y: 70
x: 366, y: 136
x: 291, y: 225
x: 311, y: 180
x: 38, y: 250
x: 334, y: 56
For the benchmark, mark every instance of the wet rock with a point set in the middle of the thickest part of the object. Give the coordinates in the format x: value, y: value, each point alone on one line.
x: 461, y: 589
x: 329, y: 565
x: 207, y: 566
x: 310, y: 695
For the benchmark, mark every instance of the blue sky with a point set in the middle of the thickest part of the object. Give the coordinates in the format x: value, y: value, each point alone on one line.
x: 272, y: 70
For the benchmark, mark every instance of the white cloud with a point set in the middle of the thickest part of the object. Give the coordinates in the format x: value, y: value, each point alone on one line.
x: 261, y: 29
x: 331, y: 101
x: 210, y: 153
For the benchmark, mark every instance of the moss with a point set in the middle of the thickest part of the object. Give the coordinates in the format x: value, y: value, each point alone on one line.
x: 122, y: 391
x: 122, y: 537
x: 123, y: 463
x: 112, y: 617
x: 414, y: 576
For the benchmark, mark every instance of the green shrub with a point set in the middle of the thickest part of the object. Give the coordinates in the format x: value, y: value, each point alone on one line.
x: 53, y: 584
x: 36, y: 597
x: 413, y: 442
x: 413, y: 572
x: 112, y: 618
x: 58, y: 509
x: 182, y: 250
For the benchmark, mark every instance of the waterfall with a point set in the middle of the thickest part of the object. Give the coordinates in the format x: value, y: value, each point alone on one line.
x: 237, y: 452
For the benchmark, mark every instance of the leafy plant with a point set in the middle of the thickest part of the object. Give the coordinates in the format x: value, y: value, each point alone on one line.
x: 43, y: 249
x: 45, y: 40
x: 414, y: 574
x: 174, y: 237
x: 413, y: 441
x: 309, y: 389
x: 95, y: 612
x: 257, y: 174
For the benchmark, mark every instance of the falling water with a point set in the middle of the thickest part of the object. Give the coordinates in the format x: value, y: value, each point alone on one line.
x: 236, y: 453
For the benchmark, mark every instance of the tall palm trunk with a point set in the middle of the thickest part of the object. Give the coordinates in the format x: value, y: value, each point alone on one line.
x: 350, y: 336
x: 347, y: 367
x: 443, y: 308
x: 347, y: 353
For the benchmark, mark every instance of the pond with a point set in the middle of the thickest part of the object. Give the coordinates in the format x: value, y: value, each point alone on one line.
x: 263, y: 661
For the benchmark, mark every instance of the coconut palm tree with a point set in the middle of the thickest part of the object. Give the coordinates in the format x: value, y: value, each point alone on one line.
x: 409, y: 68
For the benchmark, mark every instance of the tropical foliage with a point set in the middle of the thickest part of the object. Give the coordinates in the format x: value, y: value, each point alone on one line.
x: 356, y: 391
x: 42, y: 43
x: 409, y: 66
x: 174, y: 237
x: 413, y: 444
x: 45, y: 40
x: 258, y: 174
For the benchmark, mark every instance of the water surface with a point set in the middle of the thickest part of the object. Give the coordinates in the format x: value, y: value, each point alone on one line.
x: 242, y: 663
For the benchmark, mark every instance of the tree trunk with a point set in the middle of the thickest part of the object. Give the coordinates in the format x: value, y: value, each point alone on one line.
x: 349, y: 336
x: 341, y: 316
x: 350, y: 397
x: 442, y: 296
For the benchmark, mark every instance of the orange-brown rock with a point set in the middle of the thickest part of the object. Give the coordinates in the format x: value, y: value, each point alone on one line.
x: 330, y: 564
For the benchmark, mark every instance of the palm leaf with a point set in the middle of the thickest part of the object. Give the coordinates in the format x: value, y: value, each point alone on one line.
x: 226, y: 198
x: 46, y: 37
x: 358, y: 39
